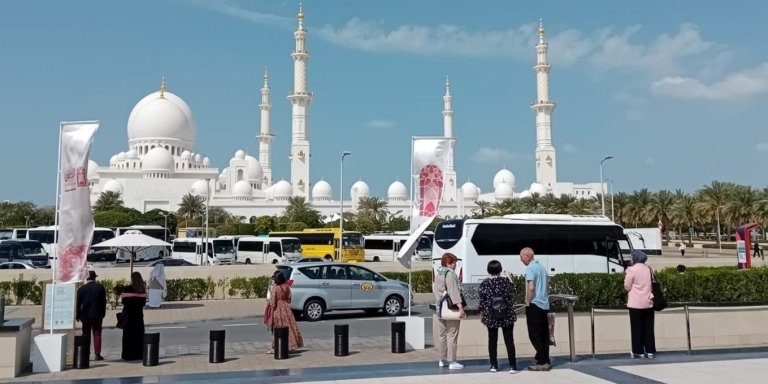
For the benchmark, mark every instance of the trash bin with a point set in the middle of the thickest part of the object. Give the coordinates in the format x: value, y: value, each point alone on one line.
x: 151, y: 350
x: 82, y: 355
x: 341, y: 340
x: 216, y: 348
x: 281, y: 343
x: 398, y: 337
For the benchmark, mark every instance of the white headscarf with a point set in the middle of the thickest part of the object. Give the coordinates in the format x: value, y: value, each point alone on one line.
x: 158, y: 273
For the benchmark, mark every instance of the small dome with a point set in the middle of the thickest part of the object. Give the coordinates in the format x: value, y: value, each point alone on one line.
x: 131, y: 154
x: 121, y: 156
x: 397, y: 191
x: 282, y: 189
x: 199, y: 188
x: 240, y: 154
x: 321, y: 190
x: 255, y: 172
x: 186, y: 155
x: 198, y: 158
x: 360, y: 189
x: 113, y: 160
x: 242, y: 189
x: 470, y: 191
x: 268, y: 193
x: 113, y: 186
x: 158, y: 159
x: 524, y: 194
x: 537, y: 188
x: 206, y: 161
x: 504, y: 176
x: 503, y: 191
x: 93, y: 170
x: 164, y: 116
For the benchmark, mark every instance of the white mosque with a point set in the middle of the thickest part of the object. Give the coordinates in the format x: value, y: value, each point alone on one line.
x: 161, y: 165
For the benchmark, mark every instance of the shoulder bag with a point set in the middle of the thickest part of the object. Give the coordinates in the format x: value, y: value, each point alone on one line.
x: 451, y: 304
x: 659, y: 301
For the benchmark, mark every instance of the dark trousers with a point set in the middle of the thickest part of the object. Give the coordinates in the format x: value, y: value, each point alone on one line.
x: 93, y: 326
x: 538, y: 332
x: 509, y: 342
x: 641, y: 326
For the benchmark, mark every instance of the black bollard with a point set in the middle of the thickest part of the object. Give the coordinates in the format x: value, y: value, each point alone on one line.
x: 151, y: 351
x: 216, y: 348
x: 341, y: 340
x: 82, y: 355
x: 398, y: 337
x: 281, y: 343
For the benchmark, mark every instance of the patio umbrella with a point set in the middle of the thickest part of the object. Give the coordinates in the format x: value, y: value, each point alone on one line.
x: 132, y: 242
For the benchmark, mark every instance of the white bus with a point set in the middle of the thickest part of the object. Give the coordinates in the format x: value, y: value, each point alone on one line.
x: 47, y: 235
x: 383, y: 247
x: 562, y: 243
x: 268, y: 250
x: 147, y: 253
x: 13, y: 233
x: 220, y: 251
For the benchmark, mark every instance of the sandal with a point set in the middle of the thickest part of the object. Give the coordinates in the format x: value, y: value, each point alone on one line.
x: 270, y: 352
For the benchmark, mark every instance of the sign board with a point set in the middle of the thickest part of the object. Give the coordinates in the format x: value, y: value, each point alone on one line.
x: 61, y: 308
x: 741, y: 251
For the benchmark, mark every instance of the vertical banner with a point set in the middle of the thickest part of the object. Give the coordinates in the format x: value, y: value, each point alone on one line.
x: 75, y: 220
x: 428, y: 165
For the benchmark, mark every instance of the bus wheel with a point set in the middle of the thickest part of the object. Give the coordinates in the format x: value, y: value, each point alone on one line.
x: 375, y: 258
x: 328, y: 258
x: 248, y: 260
x: 274, y: 261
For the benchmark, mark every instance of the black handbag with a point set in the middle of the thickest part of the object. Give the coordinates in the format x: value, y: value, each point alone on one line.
x: 448, y: 300
x: 659, y: 301
x: 120, y: 320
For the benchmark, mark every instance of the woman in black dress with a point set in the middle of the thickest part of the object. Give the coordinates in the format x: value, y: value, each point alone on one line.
x: 497, y: 311
x: 134, y: 298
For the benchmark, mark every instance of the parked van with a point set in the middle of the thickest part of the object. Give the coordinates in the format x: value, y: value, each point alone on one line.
x: 268, y: 250
x: 220, y: 251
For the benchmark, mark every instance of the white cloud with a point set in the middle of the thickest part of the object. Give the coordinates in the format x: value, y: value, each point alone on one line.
x: 380, y: 124
x: 496, y: 156
x: 650, y: 161
x: 570, y: 148
x: 232, y: 9
x: 747, y: 83
x: 762, y: 147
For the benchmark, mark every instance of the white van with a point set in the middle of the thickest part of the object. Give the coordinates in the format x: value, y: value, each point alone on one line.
x: 220, y: 251
x: 268, y: 250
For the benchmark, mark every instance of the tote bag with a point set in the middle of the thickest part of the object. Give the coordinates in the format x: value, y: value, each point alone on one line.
x: 659, y: 301
x: 446, y: 313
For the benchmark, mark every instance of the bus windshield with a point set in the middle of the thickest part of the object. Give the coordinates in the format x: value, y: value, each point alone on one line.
x: 223, y: 246
x: 424, y: 244
x: 32, y: 248
x: 353, y: 240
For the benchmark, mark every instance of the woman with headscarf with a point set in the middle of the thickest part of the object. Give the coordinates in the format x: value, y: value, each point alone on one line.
x: 134, y: 297
x: 637, y: 283
x: 446, y: 283
x: 157, y: 286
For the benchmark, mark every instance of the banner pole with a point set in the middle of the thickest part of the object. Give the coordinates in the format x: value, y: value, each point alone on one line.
x: 411, y: 229
x: 54, y: 264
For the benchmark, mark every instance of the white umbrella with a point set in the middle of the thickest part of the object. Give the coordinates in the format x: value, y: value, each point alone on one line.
x: 132, y: 242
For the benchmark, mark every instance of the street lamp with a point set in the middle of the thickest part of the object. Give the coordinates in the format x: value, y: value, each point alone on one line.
x: 602, y: 188
x: 165, y: 227
x: 341, y: 206
x: 719, y: 243
x: 613, y: 216
x: 207, y: 202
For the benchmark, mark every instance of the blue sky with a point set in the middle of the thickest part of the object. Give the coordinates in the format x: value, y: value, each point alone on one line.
x: 675, y: 90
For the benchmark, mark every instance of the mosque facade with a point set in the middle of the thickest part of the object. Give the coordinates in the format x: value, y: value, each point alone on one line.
x: 161, y: 165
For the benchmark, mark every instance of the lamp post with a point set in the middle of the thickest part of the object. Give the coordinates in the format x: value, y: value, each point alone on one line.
x: 602, y: 188
x: 341, y: 206
x: 719, y: 243
x: 165, y: 226
x: 610, y: 191
x: 27, y: 220
x: 207, y: 202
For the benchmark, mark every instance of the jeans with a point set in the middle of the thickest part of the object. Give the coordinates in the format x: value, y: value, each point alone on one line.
x: 509, y: 342
x: 538, y: 332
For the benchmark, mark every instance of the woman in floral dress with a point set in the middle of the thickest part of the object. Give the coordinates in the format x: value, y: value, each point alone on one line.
x: 281, y: 314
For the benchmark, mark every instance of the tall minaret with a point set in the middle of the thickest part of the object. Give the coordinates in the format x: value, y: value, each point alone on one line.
x: 265, y: 136
x: 449, y: 192
x: 300, y: 99
x: 546, y: 166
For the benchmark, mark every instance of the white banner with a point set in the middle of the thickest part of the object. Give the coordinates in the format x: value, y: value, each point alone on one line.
x: 75, y: 221
x: 430, y: 160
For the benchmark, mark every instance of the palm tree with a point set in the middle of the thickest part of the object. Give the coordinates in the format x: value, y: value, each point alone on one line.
x: 190, y: 207
x: 639, y: 211
x: 483, y: 207
x: 299, y: 210
x: 583, y: 206
x: 684, y: 212
x: 741, y: 207
x: 531, y: 204
x: 107, y: 201
x: 712, y: 198
x: 376, y: 207
x: 662, y: 205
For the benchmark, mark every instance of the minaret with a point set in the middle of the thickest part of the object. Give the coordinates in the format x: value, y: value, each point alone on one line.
x: 449, y: 192
x: 265, y: 136
x: 546, y: 165
x: 300, y: 99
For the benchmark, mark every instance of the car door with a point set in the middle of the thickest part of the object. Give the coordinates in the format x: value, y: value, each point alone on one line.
x: 366, y: 290
x: 336, y: 286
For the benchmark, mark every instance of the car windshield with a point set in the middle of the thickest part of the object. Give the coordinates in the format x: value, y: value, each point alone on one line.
x: 33, y: 249
x: 223, y: 246
x: 291, y: 245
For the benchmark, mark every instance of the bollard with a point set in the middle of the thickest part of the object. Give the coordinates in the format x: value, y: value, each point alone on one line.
x: 281, y: 343
x: 216, y: 347
x: 341, y: 340
x: 2, y: 310
x: 82, y: 355
x: 398, y: 337
x: 151, y: 351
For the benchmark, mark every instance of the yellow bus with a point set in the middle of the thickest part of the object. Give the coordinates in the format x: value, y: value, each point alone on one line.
x: 324, y: 242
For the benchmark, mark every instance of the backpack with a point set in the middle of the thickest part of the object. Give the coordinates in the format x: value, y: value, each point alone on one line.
x: 499, y: 308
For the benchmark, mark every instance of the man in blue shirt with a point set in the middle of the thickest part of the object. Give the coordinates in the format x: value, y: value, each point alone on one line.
x: 536, y: 308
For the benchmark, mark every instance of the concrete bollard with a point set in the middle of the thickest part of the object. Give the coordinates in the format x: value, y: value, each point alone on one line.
x: 151, y: 351
x: 216, y: 347
x: 281, y: 343
x: 398, y: 337
x: 2, y: 310
x: 82, y: 355
x: 341, y: 340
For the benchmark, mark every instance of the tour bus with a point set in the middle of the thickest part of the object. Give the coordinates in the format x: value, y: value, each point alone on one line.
x: 324, y: 242
x: 383, y: 247
x: 268, y: 250
x: 13, y: 233
x: 220, y: 251
x: 235, y: 238
x: 6, y: 233
x: 562, y: 243
x: 47, y: 235
x: 146, y: 253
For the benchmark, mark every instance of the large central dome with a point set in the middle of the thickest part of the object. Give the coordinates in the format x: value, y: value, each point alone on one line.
x: 161, y: 115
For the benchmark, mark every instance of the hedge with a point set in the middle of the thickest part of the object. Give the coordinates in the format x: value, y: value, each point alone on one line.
x: 710, y: 285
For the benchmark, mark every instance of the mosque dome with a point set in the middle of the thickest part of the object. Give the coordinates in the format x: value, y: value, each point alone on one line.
x: 268, y: 193
x: 206, y: 161
x: 360, y: 189
x: 131, y: 154
x: 321, y: 191
x: 503, y: 191
x: 242, y: 189
x: 186, y: 155
x: 537, y: 188
x: 121, y: 156
x: 397, y: 191
x: 282, y: 189
x: 161, y: 115
x: 199, y: 188
x: 504, y: 176
x: 158, y: 159
x: 239, y: 155
x: 524, y: 194
x: 255, y: 171
x: 113, y: 186
x: 469, y: 191
x: 93, y: 170
x: 113, y: 160
x: 198, y: 158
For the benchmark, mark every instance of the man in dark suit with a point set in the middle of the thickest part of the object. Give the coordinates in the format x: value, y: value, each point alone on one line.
x: 91, y: 309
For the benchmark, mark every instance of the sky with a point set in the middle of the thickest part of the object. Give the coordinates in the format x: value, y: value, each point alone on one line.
x: 675, y: 91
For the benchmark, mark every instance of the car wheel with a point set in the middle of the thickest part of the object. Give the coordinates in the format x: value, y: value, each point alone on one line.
x: 248, y: 260
x: 328, y: 258
x: 393, y: 306
x: 313, y: 310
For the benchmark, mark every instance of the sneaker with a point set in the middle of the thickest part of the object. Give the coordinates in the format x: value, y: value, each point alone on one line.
x: 455, y: 365
x: 637, y: 356
x: 442, y: 363
x: 494, y: 368
x: 539, y: 367
x: 99, y: 358
x: 512, y: 371
x: 651, y: 356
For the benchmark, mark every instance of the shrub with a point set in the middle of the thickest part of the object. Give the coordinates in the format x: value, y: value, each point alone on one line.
x: 421, y: 281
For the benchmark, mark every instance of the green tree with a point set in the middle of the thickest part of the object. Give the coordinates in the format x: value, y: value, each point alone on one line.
x: 217, y: 215
x: 399, y: 223
x: 226, y: 229
x: 712, y: 199
x: 191, y: 207
x: 265, y: 225
x: 107, y: 201
x: 583, y: 206
x: 300, y: 211
x: 684, y: 213
x: 482, y: 208
x: 376, y: 207
x: 296, y: 226
x: 662, y: 206
x: 114, y: 218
